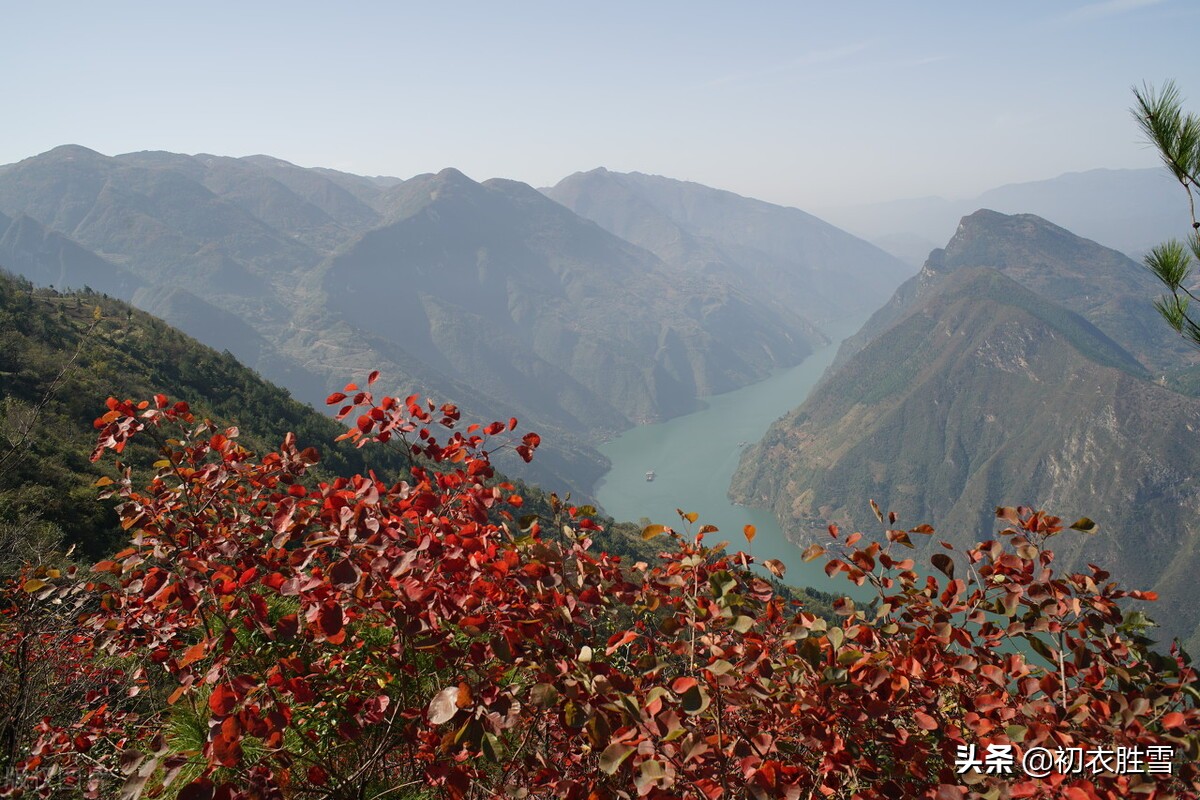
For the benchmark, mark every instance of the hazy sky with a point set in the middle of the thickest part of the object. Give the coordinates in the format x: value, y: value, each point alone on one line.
x: 803, y: 103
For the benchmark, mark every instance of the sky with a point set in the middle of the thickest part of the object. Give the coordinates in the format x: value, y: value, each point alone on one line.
x: 811, y: 104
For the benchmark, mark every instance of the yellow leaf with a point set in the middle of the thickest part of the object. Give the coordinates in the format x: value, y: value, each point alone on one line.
x: 103, y: 481
x: 690, y: 516
x: 650, y: 531
x: 162, y: 463
x: 34, y: 585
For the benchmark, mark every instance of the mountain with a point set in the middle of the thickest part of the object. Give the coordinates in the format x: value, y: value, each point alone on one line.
x: 780, y: 256
x: 59, y: 360
x: 488, y: 295
x: 1105, y: 286
x: 1130, y: 210
x: 983, y: 393
x: 498, y: 286
x: 50, y: 259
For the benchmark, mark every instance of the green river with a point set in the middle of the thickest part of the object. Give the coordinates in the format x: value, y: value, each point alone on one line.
x: 694, y: 457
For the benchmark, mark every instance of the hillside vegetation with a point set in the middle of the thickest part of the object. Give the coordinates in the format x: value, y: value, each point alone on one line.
x: 61, y: 354
x: 973, y: 388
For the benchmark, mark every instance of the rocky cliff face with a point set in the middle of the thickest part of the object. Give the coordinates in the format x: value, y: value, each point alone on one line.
x: 1110, y: 290
x: 982, y: 394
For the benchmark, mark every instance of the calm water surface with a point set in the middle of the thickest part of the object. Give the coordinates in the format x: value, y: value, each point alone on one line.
x: 694, y: 458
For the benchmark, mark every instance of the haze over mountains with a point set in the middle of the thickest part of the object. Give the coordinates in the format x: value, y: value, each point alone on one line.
x: 781, y: 256
x: 1130, y: 210
x: 1022, y: 364
x: 1011, y: 370
x: 491, y: 295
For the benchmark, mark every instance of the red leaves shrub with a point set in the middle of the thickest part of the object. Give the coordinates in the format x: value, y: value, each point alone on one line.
x: 363, y: 638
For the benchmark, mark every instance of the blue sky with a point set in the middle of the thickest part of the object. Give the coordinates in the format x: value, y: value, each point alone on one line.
x: 803, y: 103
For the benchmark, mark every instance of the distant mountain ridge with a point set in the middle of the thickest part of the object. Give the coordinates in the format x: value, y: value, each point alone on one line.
x: 490, y: 295
x: 776, y: 254
x: 1130, y: 210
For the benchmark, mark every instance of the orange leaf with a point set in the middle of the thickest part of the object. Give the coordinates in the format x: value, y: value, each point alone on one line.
x: 750, y: 532
x: 194, y: 653
x: 1173, y: 720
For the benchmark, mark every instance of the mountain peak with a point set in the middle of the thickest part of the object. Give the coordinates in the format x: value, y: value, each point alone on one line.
x: 71, y: 152
x: 450, y: 174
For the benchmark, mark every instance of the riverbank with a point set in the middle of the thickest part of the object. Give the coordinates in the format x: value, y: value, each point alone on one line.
x: 693, y: 459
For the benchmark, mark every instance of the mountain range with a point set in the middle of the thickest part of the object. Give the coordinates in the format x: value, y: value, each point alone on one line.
x: 783, y: 257
x: 489, y: 294
x: 1013, y: 370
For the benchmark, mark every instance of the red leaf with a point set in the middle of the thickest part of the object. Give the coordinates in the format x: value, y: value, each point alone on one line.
x: 330, y: 619
x: 199, y: 789
x: 512, y: 423
x: 336, y: 397
x: 365, y: 422
x: 227, y: 749
x: 374, y: 376
x: 345, y: 574
x: 287, y: 627
x: 223, y: 700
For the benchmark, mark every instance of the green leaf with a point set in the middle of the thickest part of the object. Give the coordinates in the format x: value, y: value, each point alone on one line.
x: 848, y: 657
x: 1084, y: 525
x: 613, y: 756
x: 694, y: 701
x: 719, y: 667
x: 653, y: 770
x: 544, y: 695
x: 574, y: 715
x: 1042, y: 649
x: 835, y: 636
